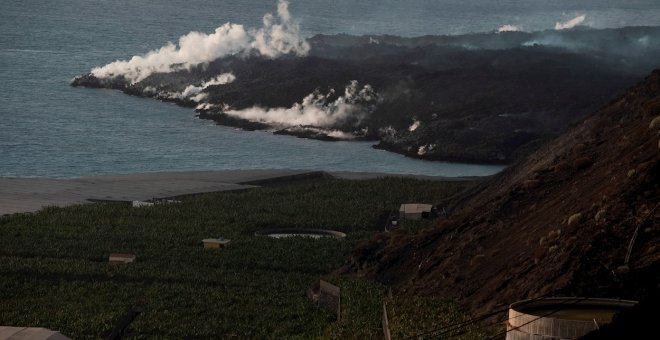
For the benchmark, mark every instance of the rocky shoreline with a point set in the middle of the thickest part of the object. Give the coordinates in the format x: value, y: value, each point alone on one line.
x: 482, y: 98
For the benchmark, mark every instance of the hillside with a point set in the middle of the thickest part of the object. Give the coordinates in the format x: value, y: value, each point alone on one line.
x: 559, y: 222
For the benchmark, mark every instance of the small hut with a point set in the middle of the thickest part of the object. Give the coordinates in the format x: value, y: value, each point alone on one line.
x: 215, y: 243
x: 414, y: 211
x: 121, y: 258
x: 140, y: 204
x: 327, y: 296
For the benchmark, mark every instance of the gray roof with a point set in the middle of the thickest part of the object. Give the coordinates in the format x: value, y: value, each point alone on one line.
x: 29, y: 333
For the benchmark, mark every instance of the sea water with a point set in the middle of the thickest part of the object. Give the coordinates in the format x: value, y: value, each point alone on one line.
x: 48, y: 128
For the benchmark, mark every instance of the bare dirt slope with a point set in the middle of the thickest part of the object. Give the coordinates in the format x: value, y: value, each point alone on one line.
x: 559, y: 222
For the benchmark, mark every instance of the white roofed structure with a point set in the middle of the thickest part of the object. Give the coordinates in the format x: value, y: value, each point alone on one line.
x: 413, y: 211
x: 29, y: 333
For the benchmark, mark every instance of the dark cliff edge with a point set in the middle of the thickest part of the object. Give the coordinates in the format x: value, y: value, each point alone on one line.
x: 560, y: 222
x: 478, y: 98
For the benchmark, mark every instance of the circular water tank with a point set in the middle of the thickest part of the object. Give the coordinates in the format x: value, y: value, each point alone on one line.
x: 560, y: 318
x: 296, y: 232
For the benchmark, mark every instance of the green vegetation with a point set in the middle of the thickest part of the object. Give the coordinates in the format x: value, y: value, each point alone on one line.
x: 410, y: 317
x: 55, y: 274
x: 423, y: 317
x: 361, y: 311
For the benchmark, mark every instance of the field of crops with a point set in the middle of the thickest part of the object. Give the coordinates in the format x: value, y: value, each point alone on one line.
x: 54, y: 271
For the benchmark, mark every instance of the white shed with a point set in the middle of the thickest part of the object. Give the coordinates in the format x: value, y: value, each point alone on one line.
x: 413, y: 211
x: 121, y: 258
x: 215, y: 243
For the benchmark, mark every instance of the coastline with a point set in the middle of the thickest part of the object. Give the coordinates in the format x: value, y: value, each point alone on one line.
x: 26, y: 195
x: 475, y: 105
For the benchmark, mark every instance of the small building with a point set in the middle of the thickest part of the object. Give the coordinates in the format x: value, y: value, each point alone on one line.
x: 121, y: 258
x: 414, y: 211
x: 140, y: 204
x: 327, y: 296
x: 32, y: 333
x: 215, y: 243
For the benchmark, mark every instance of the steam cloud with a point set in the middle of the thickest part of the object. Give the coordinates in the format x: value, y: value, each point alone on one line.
x: 195, y: 92
x: 509, y: 28
x: 317, y: 109
x: 279, y: 35
x: 570, y: 23
x: 414, y: 125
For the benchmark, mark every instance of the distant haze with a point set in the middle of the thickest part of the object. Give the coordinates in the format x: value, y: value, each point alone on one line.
x: 281, y: 33
x: 410, y: 18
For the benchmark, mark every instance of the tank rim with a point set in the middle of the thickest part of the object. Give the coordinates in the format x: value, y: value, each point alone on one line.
x: 324, y: 232
x: 528, y: 305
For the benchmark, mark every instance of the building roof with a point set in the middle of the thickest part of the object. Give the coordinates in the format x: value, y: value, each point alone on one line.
x: 118, y: 257
x: 216, y: 240
x: 415, y: 208
x: 31, y: 333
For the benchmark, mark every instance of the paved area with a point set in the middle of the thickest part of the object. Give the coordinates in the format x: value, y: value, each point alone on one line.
x: 31, y: 194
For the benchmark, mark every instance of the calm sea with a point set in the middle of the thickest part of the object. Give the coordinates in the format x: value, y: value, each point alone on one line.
x: 50, y: 129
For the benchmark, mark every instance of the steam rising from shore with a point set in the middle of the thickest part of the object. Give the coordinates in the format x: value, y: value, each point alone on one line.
x: 570, y: 23
x: 509, y: 28
x: 279, y: 35
x: 577, y: 21
x: 317, y: 109
x: 195, y: 92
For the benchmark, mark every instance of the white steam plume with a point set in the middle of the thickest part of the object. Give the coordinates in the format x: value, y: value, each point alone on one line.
x: 279, y: 35
x: 316, y: 109
x: 334, y: 133
x: 578, y: 20
x: 509, y: 28
x: 195, y: 92
x: 414, y: 125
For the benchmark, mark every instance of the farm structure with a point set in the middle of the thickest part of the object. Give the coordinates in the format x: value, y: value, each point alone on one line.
x: 32, y: 333
x: 414, y: 211
x: 215, y: 243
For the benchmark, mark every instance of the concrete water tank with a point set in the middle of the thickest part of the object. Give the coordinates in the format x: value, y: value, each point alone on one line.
x: 560, y: 318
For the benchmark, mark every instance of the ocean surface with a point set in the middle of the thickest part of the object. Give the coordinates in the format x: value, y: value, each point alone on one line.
x: 48, y: 128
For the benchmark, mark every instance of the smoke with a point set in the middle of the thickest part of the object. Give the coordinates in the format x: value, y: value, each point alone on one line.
x: 424, y: 149
x: 279, y: 35
x: 333, y: 133
x: 414, y: 125
x: 560, y: 41
x: 317, y: 109
x: 578, y: 20
x: 645, y: 41
x: 204, y: 106
x: 509, y: 28
x: 195, y: 92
